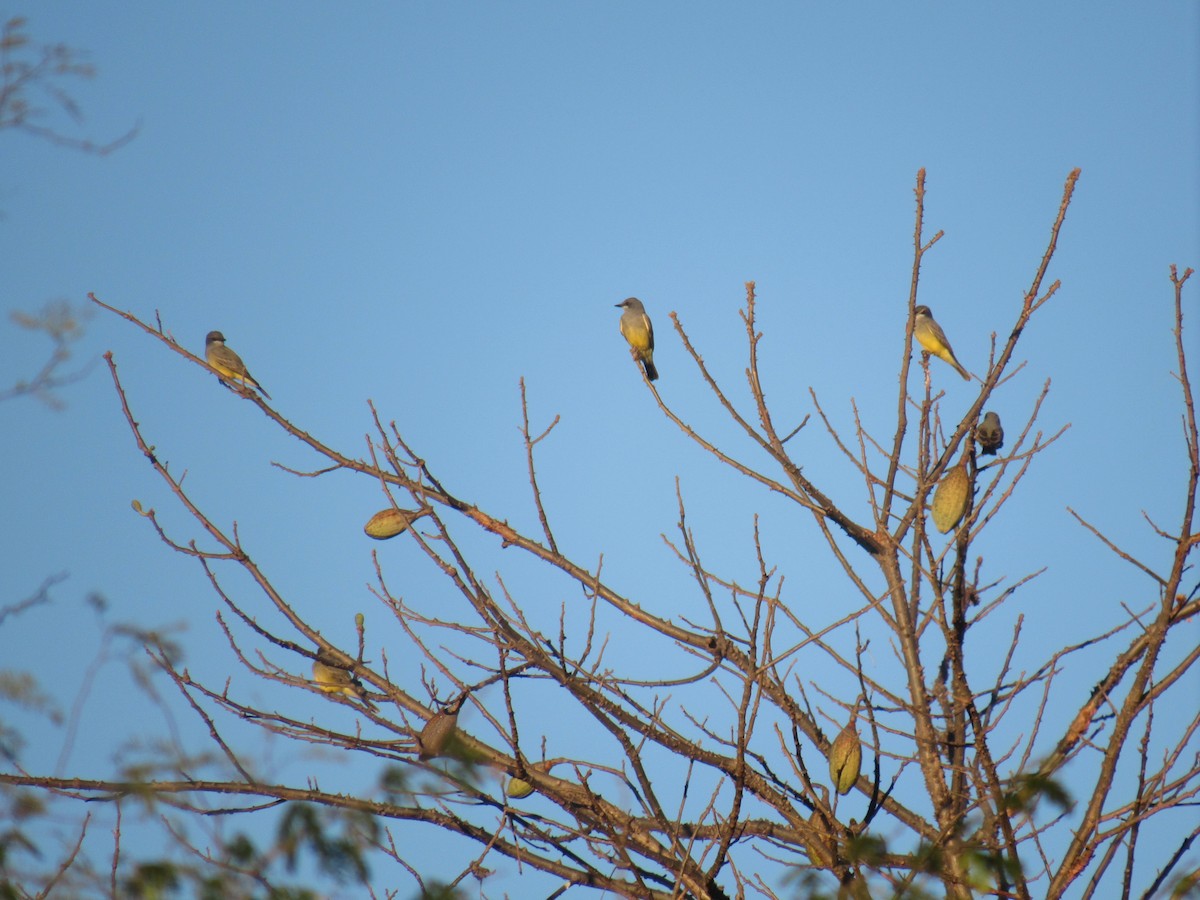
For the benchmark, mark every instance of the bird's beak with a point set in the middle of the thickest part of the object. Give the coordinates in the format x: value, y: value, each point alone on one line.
x: 618, y: 304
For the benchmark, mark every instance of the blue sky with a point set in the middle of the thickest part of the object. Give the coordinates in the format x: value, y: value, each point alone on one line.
x: 420, y: 204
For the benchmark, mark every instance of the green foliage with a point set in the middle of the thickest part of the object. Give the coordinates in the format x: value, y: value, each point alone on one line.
x: 286, y: 893
x: 19, y: 806
x: 339, y: 856
x: 989, y: 868
x: 21, y: 688
x: 865, y: 849
x: 438, y: 891
x: 152, y: 881
x: 241, y: 850
x: 1026, y: 791
x: 1187, y: 887
x: 394, y: 784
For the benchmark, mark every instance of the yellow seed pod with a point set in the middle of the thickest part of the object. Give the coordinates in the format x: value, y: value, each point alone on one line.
x: 845, y: 760
x: 387, y: 523
x: 950, y: 498
x: 518, y: 788
x: 435, y: 736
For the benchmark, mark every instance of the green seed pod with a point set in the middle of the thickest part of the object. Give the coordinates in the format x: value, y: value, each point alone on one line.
x: 518, y: 788
x: 387, y: 523
x: 816, y: 842
x: 845, y: 760
x: 950, y: 498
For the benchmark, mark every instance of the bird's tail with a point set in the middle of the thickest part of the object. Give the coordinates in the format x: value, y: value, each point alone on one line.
x: 651, y: 372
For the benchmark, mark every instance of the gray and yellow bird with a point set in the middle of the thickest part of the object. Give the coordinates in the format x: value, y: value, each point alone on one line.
x: 929, y: 335
x: 333, y: 680
x: 637, y: 330
x: 228, y: 363
x: 989, y: 434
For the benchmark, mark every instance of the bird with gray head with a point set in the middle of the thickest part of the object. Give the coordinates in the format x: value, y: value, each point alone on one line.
x: 637, y: 330
x: 335, y: 680
x: 989, y: 434
x: 226, y: 362
x: 929, y: 335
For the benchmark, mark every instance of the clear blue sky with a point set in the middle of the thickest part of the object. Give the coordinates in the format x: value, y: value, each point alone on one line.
x: 421, y: 203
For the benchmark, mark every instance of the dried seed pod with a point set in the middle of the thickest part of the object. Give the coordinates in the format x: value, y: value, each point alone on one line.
x: 387, y: 523
x: 435, y: 736
x: 950, y: 498
x: 845, y: 759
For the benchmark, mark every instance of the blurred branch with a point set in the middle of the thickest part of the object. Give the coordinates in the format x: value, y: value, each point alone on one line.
x: 32, y: 88
x: 41, y: 595
x: 63, y: 325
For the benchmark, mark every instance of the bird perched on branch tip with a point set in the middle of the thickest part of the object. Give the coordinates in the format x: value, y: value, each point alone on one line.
x: 930, y: 336
x: 636, y: 329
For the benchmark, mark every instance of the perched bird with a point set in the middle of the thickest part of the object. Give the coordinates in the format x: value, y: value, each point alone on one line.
x: 226, y: 362
x: 333, y: 680
x: 636, y: 328
x: 989, y: 434
x: 930, y: 336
